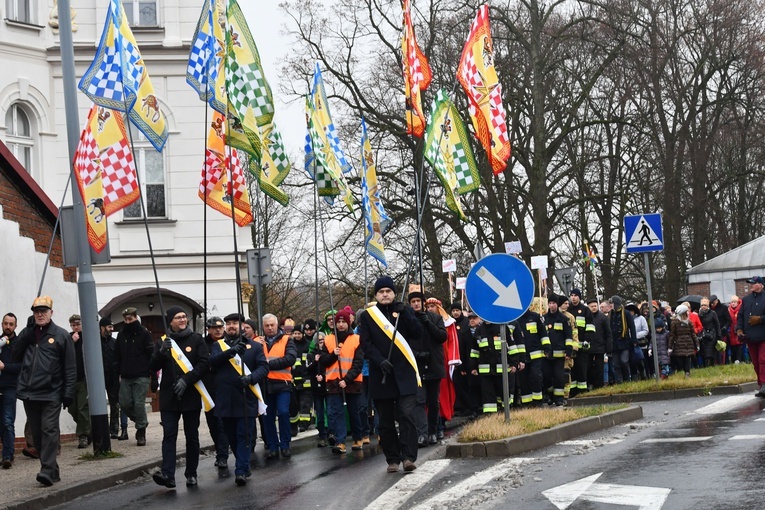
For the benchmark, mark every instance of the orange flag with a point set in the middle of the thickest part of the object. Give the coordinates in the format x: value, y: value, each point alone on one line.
x: 87, y: 171
x: 478, y: 77
x: 223, y: 176
x: 417, y: 75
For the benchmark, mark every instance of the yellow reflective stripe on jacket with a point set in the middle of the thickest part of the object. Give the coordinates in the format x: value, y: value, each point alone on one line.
x: 483, y: 343
x: 474, y: 353
x: 536, y: 355
x: 545, y: 340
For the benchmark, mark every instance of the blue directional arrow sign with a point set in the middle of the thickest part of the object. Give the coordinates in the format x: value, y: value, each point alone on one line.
x: 643, y: 233
x: 499, y: 288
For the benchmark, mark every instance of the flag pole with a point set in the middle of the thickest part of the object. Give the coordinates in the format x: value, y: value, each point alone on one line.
x: 204, y: 214
x: 316, y: 243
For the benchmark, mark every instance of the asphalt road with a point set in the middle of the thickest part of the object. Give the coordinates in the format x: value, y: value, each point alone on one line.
x: 699, y: 453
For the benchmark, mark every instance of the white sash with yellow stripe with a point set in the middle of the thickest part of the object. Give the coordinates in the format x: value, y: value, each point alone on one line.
x: 384, y: 324
x: 185, y: 365
x: 236, y: 362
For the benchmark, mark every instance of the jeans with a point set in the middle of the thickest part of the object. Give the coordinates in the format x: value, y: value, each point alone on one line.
x: 170, y: 421
x: 43, y: 418
x: 319, y: 407
x: 622, y: 366
x: 218, y: 435
x: 7, y: 419
x: 240, y: 434
x: 401, y: 445
x: 336, y: 412
x: 278, y: 406
x: 133, y: 400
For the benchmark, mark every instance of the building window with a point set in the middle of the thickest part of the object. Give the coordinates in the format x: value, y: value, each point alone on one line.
x: 151, y: 172
x: 19, y: 10
x: 19, y: 137
x: 142, y: 13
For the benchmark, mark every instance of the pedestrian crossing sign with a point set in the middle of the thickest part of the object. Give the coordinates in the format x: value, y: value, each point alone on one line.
x: 643, y: 233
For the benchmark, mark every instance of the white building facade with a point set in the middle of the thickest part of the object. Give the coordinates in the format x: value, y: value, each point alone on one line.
x: 34, y: 128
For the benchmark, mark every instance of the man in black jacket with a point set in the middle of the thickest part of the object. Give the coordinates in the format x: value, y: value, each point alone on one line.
x: 430, y: 362
x: 9, y: 375
x: 600, y: 346
x: 132, y: 352
x: 46, y: 381
x: 183, y: 358
x: 111, y: 376
x: 215, y: 332
x: 80, y: 409
x: 393, y: 374
x: 235, y: 402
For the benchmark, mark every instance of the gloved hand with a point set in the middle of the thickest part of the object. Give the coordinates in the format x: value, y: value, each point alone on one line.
x: 386, y: 366
x: 754, y: 320
x: 240, y: 348
x: 180, y: 387
x: 585, y: 346
x: 67, y: 401
x: 167, y: 344
x: 246, y: 380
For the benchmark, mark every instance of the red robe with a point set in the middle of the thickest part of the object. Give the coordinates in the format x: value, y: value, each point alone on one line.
x: 451, y: 359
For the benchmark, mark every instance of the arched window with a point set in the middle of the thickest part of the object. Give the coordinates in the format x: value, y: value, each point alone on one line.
x: 19, y: 135
x: 150, y: 165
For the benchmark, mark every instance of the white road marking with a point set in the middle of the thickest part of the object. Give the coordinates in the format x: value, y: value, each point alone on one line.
x: 747, y: 437
x: 724, y: 405
x: 590, y: 442
x: 645, y: 498
x: 760, y: 419
x: 405, y: 488
x: 677, y: 439
x: 477, y: 480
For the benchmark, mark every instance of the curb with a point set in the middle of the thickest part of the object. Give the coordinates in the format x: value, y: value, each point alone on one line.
x: 542, y: 438
x: 627, y: 398
x: 68, y: 494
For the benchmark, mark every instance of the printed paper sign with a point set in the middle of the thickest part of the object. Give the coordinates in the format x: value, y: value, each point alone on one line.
x: 461, y: 283
x: 513, y: 247
x: 539, y: 262
x: 449, y: 266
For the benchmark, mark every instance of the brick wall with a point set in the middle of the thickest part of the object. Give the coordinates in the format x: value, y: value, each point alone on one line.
x: 700, y: 288
x: 742, y: 288
x: 32, y: 223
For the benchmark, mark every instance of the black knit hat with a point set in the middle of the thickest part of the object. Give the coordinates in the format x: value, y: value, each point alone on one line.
x: 385, y: 282
x: 455, y: 306
x: 172, y: 312
x: 105, y: 321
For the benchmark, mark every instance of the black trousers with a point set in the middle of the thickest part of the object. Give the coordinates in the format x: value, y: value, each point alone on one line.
x: 427, y: 407
x: 402, y: 445
x: 43, y: 418
x: 595, y: 372
x: 170, y: 421
x: 554, y: 376
x: 532, y: 382
x: 113, y: 394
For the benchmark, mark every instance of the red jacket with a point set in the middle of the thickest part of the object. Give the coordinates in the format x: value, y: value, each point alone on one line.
x: 732, y: 336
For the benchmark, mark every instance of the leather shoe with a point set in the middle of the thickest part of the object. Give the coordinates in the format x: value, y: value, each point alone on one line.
x: 221, y: 464
x: 440, y: 435
x: 7, y: 463
x: 422, y: 442
x: 392, y: 468
x: 240, y: 480
x: 123, y: 436
x: 272, y: 454
x: 286, y: 453
x: 191, y: 481
x: 83, y: 442
x: 432, y: 439
x: 44, y: 479
x: 409, y: 466
x: 31, y: 452
x: 113, y: 435
x: 162, y: 480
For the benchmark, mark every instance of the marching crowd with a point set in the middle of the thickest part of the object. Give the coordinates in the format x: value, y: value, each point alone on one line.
x: 392, y: 372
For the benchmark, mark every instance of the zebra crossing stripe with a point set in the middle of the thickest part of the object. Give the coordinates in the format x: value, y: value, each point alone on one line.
x: 479, y: 479
x: 747, y: 437
x: 725, y: 405
x: 676, y: 439
x: 405, y: 488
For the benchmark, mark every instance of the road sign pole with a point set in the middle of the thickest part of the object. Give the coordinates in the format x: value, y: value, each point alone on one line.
x: 652, y: 322
x: 505, y: 378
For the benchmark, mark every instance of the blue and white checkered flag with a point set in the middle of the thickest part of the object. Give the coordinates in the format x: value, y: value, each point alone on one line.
x: 326, y: 120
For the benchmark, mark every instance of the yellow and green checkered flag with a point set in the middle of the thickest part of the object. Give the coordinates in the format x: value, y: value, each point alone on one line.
x: 251, y: 123
x: 447, y: 149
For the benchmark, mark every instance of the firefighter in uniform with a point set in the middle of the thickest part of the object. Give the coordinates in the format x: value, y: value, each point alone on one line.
x: 568, y: 365
x: 303, y: 394
x: 586, y: 331
x: 532, y: 347
x: 486, y: 363
x: 561, y: 348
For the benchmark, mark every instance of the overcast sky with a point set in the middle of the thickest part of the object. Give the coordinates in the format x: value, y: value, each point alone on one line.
x: 267, y: 24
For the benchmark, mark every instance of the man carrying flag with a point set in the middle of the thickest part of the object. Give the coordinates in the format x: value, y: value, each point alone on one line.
x: 478, y: 77
x: 393, y: 374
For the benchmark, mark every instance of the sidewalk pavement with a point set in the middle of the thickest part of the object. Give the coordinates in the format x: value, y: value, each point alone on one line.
x: 19, y: 488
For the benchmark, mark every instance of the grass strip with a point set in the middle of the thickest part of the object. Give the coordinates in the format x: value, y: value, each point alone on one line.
x: 721, y: 375
x: 492, y: 427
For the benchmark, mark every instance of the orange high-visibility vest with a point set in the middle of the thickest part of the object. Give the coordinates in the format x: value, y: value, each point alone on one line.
x: 278, y: 350
x: 345, y: 360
